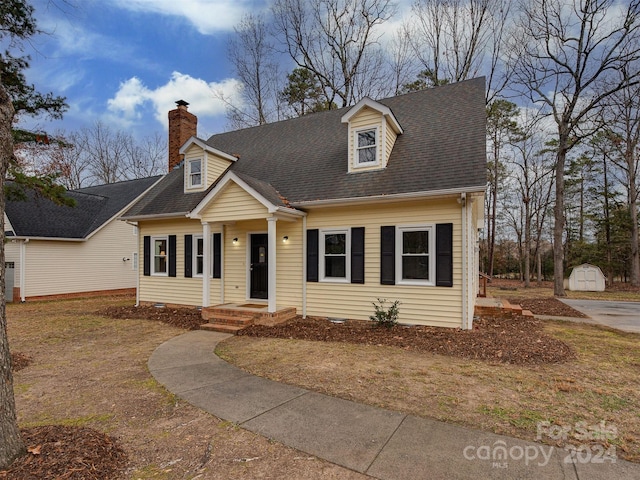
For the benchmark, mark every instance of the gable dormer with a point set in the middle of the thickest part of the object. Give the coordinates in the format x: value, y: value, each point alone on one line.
x: 203, y: 164
x: 373, y: 130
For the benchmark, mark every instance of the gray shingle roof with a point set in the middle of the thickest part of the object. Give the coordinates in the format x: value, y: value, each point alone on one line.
x: 40, y: 217
x: 305, y: 159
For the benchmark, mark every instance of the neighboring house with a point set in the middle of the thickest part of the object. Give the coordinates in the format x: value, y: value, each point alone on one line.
x: 65, y: 251
x: 324, y: 213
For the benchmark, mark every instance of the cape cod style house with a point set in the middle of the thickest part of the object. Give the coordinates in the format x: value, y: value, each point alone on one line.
x: 54, y: 250
x: 323, y: 214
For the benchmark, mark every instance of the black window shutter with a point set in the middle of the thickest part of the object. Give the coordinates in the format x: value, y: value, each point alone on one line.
x: 188, y: 252
x: 357, y: 255
x: 172, y: 255
x: 146, y: 254
x: 217, y: 255
x: 312, y: 255
x: 444, y: 255
x: 388, y: 255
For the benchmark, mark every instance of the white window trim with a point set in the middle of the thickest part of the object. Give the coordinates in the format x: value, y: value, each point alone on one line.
x: 432, y: 254
x: 188, y: 173
x: 194, y: 256
x: 356, y: 149
x: 153, y: 256
x: 321, y: 255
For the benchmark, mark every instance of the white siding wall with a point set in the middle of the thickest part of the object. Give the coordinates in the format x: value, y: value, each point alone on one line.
x: 59, y: 267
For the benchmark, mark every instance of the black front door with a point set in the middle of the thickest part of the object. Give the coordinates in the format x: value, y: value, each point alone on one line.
x: 259, y: 269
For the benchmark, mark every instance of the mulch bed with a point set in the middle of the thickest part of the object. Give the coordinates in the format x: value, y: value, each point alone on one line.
x: 19, y: 361
x: 547, y: 306
x: 517, y: 340
x: 73, y: 453
x: 187, y: 318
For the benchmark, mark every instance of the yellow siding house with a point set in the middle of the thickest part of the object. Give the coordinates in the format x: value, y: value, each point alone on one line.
x: 324, y: 214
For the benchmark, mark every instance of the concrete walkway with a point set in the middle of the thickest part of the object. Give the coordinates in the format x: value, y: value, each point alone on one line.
x: 370, y: 440
x: 624, y: 316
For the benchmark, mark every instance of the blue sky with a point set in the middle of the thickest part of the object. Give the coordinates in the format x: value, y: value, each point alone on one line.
x: 125, y: 62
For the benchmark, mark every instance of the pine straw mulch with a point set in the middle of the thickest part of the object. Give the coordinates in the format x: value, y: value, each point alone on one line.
x: 70, y: 453
x: 517, y: 340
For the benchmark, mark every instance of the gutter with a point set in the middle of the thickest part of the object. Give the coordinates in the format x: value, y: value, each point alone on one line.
x: 433, y: 194
x: 155, y: 216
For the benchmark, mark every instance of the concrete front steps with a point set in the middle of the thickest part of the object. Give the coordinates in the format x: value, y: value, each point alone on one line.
x: 230, y: 318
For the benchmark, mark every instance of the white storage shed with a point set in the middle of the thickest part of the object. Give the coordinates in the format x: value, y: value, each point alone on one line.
x: 587, y: 278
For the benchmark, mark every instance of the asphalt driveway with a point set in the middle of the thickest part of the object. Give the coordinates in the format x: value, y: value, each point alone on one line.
x: 621, y: 315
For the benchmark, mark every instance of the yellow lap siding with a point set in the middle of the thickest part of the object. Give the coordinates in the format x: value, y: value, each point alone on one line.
x: 234, y: 203
x: 178, y: 289
x: 419, y: 304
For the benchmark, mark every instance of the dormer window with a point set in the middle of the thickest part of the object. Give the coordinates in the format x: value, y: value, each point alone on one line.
x: 367, y: 147
x: 194, y: 173
x: 373, y: 131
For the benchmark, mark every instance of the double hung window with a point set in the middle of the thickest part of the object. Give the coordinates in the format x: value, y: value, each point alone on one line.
x: 335, y: 255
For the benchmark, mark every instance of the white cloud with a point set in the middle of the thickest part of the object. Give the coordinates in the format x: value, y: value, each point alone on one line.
x: 205, y: 98
x: 208, y: 16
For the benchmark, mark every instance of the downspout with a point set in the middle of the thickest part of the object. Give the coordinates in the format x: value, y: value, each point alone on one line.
x: 304, y: 267
x: 23, y: 269
x: 222, y: 272
x: 463, y: 202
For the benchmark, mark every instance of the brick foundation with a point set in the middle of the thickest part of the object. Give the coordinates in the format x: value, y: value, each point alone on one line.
x: 62, y: 296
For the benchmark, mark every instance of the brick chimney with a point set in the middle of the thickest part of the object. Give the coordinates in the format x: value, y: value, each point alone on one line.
x: 182, y: 126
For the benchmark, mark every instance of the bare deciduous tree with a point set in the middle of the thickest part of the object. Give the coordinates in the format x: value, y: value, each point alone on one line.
x: 252, y: 54
x: 565, y: 57
x: 337, y: 41
x: 622, y: 117
x: 460, y: 39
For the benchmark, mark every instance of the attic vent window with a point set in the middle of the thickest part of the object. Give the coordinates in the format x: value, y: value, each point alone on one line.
x: 366, y: 147
x: 195, y: 173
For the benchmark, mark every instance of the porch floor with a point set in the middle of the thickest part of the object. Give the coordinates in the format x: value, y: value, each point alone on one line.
x: 231, y: 317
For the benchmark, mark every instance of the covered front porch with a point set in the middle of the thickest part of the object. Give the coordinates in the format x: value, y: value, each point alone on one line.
x: 259, y: 258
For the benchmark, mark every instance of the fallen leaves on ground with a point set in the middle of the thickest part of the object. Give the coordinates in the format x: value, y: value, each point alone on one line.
x: 547, y: 306
x: 19, y: 361
x: 70, y: 453
x: 187, y: 318
x: 517, y: 340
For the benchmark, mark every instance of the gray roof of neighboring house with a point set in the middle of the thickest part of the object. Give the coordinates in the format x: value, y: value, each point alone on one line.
x: 40, y: 217
x: 305, y: 159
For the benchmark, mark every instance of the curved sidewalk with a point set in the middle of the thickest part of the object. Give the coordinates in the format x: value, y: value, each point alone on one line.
x: 370, y: 440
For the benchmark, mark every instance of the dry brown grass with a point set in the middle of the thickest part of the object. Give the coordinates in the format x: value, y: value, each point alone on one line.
x: 603, y: 384
x: 515, y: 289
x: 89, y: 370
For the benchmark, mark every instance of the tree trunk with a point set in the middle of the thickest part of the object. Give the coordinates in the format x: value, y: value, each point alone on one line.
x: 558, y: 212
x: 633, y: 213
x: 11, y: 446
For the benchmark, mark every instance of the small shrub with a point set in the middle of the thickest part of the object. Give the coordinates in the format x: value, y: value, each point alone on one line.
x: 385, y: 317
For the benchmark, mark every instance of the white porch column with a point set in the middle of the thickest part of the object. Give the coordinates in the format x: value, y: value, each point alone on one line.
x: 206, y: 264
x: 271, y: 233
